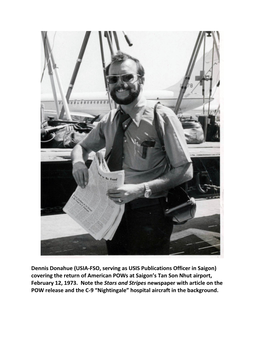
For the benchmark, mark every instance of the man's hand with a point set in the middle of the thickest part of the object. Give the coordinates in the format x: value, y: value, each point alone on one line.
x: 80, y: 174
x: 126, y: 193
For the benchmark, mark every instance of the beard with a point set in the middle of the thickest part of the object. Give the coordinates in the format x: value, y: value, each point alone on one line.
x: 132, y: 90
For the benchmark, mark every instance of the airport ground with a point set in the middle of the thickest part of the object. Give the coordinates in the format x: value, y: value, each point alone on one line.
x: 60, y: 235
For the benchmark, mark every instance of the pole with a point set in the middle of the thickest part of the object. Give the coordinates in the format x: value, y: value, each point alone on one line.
x: 55, y: 67
x: 216, y: 47
x: 211, y: 80
x: 189, y: 70
x: 76, y: 69
x: 103, y: 64
x: 44, y: 36
x: 116, y: 40
x: 109, y: 42
x: 203, y: 83
x: 127, y: 39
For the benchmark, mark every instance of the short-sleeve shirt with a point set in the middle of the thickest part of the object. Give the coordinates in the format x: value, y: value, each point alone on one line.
x: 144, y: 158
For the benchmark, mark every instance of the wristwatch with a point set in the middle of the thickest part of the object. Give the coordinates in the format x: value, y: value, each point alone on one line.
x: 148, y: 191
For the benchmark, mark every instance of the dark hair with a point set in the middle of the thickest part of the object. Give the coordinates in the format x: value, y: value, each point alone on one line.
x: 121, y: 57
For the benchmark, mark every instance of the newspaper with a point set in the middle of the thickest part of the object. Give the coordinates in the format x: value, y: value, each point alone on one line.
x: 91, y: 208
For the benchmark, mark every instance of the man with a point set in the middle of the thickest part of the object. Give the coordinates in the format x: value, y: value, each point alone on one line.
x: 149, y: 170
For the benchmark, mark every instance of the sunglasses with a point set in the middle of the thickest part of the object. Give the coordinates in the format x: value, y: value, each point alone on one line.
x: 126, y: 78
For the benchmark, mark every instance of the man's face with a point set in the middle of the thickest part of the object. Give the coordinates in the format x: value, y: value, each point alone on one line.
x: 124, y: 92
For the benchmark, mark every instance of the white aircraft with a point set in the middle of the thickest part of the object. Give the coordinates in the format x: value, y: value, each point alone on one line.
x: 97, y: 103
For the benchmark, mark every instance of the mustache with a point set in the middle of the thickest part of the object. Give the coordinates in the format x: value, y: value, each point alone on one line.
x: 132, y: 90
x: 121, y: 88
x: 125, y: 87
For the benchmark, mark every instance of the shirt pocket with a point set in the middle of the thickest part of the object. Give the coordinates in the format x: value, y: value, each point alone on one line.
x: 146, y: 155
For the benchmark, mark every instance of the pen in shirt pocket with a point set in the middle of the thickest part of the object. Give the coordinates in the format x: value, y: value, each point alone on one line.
x: 145, y: 145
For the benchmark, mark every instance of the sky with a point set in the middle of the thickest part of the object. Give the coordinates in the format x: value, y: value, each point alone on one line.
x: 164, y: 54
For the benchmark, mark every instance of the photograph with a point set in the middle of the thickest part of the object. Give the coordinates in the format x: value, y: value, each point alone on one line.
x: 130, y: 143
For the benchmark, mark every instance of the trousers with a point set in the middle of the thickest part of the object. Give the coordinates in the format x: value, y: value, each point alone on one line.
x: 143, y: 230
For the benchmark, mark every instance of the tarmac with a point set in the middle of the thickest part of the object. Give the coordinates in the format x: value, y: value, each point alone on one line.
x: 61, y: 235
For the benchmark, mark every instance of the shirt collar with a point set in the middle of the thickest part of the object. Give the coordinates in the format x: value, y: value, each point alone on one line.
x: 137, y: 110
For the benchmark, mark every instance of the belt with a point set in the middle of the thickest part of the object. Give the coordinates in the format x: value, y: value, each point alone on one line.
x: 144, y: 202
